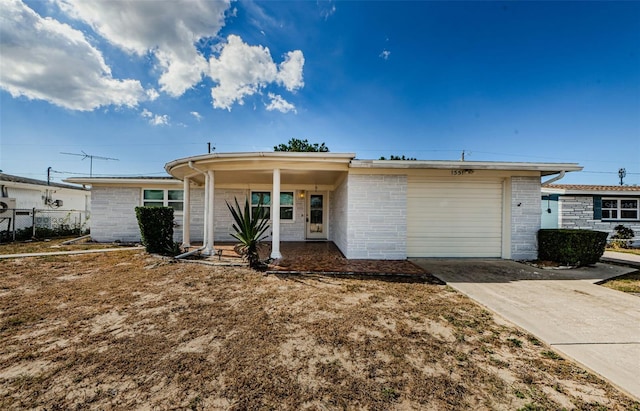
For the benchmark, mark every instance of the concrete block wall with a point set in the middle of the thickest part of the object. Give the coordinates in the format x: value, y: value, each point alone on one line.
x: 113, y: 216
x: 294, y: 230
x: 576, y: 212
x: 525, y: 217
x: 338, y: 212
x: 221, y: 215
x: 377, y: 217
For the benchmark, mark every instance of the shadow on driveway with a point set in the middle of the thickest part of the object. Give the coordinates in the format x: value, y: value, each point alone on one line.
x: 503, y: 271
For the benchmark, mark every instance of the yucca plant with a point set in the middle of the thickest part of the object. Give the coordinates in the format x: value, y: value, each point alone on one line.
x: 249, y: 230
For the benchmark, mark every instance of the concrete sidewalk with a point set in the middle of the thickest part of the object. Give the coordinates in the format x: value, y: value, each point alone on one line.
x: 621, y: 258
x: 593, y: 325
x: 101, y: 250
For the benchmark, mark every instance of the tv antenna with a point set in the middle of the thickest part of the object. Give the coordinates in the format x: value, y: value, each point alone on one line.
x: 90, y: 157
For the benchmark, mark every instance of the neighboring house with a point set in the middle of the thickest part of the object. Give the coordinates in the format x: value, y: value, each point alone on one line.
x: 591, y: 207
x: 30, y: 193
x: 373, y: 209
x: 25, y: 194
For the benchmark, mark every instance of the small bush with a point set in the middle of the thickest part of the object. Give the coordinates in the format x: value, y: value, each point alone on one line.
x: 571, y: 247
x: 156, y: 229
x: 621, y: 238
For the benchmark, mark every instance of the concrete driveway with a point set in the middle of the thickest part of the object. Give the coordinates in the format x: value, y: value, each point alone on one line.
x: 591, y: 324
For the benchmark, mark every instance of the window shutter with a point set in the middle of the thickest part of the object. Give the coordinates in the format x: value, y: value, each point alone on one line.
x: 597, y: 207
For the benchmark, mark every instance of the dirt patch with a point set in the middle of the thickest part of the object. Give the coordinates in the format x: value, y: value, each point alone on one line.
x: 90, y: 332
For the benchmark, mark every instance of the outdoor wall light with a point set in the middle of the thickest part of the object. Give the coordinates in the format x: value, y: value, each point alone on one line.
x: 301, y: 194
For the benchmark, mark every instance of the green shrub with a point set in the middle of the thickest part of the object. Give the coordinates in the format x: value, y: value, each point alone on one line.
x: 571, y: 247
x: 621, y: 238
x: 156, y: 229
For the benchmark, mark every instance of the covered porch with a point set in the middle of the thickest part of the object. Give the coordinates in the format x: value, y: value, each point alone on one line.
x: 295, y: 187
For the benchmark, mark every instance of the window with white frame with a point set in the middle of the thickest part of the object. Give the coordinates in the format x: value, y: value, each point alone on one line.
x: 286, y: 203
x: 621, y: 209
x: 163, y: 198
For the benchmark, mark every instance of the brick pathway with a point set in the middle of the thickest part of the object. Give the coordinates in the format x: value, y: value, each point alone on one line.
x: 320, y: 257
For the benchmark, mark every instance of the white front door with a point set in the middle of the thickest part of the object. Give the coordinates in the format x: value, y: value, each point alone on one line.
x: 317, y: 222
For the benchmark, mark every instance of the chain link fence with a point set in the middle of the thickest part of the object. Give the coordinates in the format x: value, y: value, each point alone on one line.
x: 25, y: 224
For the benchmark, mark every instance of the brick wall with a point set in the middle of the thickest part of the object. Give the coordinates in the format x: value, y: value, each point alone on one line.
x: 377, y: 217
x: 525, y: 217
x: 577, y: 212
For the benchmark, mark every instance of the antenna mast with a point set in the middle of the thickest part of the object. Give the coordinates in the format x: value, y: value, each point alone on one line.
x: 90, y: 157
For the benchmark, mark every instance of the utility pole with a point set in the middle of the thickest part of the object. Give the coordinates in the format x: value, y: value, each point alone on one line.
x: 462, y: 158
x: 90, y: 157
x: 622, y: 173
x: 210, y: 148
x: 48, y: 175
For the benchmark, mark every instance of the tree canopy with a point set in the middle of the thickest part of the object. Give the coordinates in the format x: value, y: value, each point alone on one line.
x: 394, y: 157
x: 302, y: 146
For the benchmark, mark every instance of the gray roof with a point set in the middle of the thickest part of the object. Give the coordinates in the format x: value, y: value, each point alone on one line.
x: 33, y: 181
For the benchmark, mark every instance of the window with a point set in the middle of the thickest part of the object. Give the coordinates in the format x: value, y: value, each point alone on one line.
x: 620, y: 209
x: 286, y: 203
x: 163, y: 198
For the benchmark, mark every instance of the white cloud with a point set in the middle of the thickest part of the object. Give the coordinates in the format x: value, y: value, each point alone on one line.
x: 242, y: 70
x: 46, y: 60
x: 152, y: 94
x: 280, y: 104
x: 290, y: 74
x: 155, y: 119
x: 167, y: 29
x: 197, y: 115
x: 385, y: 54
x: 327, y: 8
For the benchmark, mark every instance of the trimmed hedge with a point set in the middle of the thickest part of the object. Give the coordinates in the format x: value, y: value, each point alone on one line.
x: 156, y: 229
x: 571, y: 247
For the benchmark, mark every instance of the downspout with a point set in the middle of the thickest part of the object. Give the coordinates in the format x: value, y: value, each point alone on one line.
x: 554, y: 179
x: 188, y: 253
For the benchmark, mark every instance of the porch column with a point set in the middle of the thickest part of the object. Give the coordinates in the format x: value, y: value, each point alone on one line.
x: 186, y: 214
x: 205, y: 228
x: 275, y: 215
x: 210, y: 186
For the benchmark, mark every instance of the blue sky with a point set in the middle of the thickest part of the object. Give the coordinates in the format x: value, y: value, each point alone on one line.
x: 148, y: 82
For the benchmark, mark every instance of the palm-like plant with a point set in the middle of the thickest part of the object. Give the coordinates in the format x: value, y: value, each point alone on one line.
x: 249, y: 230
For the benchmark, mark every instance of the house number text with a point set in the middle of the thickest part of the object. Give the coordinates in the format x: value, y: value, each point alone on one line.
x: 461, y: 172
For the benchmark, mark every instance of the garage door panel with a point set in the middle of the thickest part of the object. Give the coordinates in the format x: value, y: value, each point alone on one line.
x: 452, y: 218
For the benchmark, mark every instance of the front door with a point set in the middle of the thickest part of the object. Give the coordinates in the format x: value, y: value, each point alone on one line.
x: 317, y: 223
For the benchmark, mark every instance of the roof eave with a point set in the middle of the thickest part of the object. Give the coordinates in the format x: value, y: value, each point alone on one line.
x: 544, y: 168
x: 119, y: 181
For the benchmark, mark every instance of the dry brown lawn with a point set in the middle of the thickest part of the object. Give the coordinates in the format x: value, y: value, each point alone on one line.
x: 127, y: 330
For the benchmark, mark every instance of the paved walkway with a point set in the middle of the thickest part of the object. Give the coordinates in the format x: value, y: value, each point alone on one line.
x: 99, y: 250
x: 622, y: 258
x: 593, y: 325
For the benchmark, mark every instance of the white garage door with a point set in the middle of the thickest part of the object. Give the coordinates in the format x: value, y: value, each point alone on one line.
x: 448, y: 217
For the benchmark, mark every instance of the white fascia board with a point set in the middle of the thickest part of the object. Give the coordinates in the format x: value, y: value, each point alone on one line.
x: 268, y: 155
x: 608, y: 193
x: 545, y: 168
x: 122, y: 181
x: 547, y: 190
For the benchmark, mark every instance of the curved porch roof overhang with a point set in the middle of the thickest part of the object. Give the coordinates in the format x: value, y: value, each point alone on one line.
x: 236, y: 169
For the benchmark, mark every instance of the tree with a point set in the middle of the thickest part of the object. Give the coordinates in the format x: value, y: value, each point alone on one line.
x: 394, y: 157
x: 301, y: 146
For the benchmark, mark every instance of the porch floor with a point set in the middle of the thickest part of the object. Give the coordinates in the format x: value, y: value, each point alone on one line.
x: 317, y: 257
